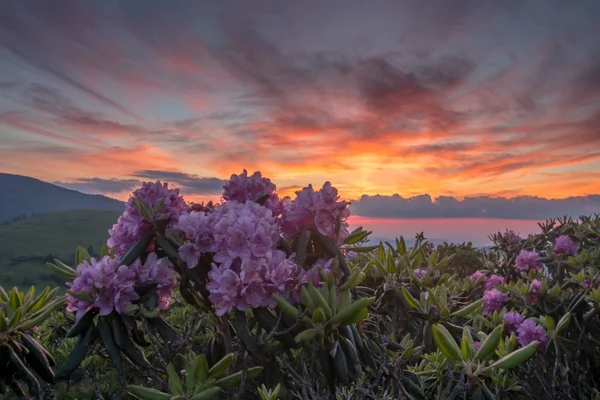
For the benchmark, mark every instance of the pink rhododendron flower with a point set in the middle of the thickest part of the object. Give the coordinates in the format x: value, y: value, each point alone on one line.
x: 493, y: 281
x: 242, y: 230
x: 511, y: 238
x: 111, y: 287
x: 564, y: 245
x: 476, y: 275
x: 529, y: 332
x: 527, y: 260
x: 242, y: 188
x: 493, y: 300
x: 536, y: 287
x: 250, y: 282
x: 131, y: 225
x: 420, y: 273
x: 196, y: 226
x: 320, y: 210
x: 513, y: 320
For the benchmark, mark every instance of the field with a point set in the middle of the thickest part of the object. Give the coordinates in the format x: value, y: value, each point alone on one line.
x: 26, y: 245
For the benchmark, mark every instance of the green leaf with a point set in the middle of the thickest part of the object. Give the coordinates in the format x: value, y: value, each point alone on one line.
x: 468, y: 309
x: 145, y: 393
x: 516, y: 358
x: 467, y: 346
x: 445, y: 342
x: 410, y: 299
x: 489, y: 345
x: 81, y: 255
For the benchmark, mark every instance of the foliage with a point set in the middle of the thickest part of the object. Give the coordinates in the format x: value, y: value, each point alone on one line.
x: 27, y: 244
x: 205, y: 302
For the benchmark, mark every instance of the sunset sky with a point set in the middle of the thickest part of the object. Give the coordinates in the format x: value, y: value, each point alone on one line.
x: 445, y: 98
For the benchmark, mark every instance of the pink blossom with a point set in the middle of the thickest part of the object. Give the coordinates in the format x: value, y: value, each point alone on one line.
x: 511, y: 238
x: 132, y: 225
x: 493, y: 300
x: 493, y: 281
x: 319, y: 210
x: 513, y: 320
x: 529, y: 332
x: 420, y: 273
x: 527, y: 260
x: 564, y: 245
x: 111, y: 287
x: 476, y: 275
x: 242, y: 188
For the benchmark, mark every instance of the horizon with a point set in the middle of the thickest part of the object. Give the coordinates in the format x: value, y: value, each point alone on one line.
x: 394, y: 98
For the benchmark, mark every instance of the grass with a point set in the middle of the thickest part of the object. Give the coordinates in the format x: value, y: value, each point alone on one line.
x: 27, y: 244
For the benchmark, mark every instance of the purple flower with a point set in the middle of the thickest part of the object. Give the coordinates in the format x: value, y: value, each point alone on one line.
x: 529, y: 332
x: 242, y: 188
x: 477, y: 345
x: 478, y: 274
x: 241, y: 230
x: 527, y: 260
x: 351, y: 255
x: 536, y: 287
x: 420, y: 273
x: 563, y: 245
x: 111, y: 287
x: 513, y: 320
x: 511, y: 238
x: 430, y: 246
x: 320, y: 210
x: 493, y: 300
x: 250, y: 282
x: 132, y: 225
x: 493, y: 281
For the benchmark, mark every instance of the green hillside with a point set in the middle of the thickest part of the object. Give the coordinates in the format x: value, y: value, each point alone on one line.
x: 26, y: 245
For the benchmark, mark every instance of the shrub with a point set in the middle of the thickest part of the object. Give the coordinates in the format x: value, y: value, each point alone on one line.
x: 263, y: 297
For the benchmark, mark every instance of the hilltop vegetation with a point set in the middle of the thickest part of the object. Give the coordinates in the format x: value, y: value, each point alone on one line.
x: 26, y: 244
x: 22, y: 196
x: 249, y: 299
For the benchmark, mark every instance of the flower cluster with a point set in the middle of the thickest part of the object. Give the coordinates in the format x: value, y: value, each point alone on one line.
x: 493, y: 300
x: 167, y: 205
x: 320, y: 209
x: 564, y: 245
x: 527, y: 260
x: 492, y: 282
x: 243, y: 230
x: 243, y: 238
x: 511, y: 238
x: 420, y: 273
x: 242, y: 188
x: 513, y: 320
x: 196, y: 227
x: 476, y: 275
x: 250, y: 282
x: 109, y: 286
x: 528, y: 331
x: 488, y: 282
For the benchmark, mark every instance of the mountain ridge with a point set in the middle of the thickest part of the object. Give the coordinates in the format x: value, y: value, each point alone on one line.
x: 23, y: 196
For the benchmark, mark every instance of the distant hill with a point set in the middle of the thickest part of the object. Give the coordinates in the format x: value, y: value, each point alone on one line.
x: 22, y: 196
x: 27, y: 244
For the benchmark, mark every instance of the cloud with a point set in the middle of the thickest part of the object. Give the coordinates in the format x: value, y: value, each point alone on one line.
x: 385, y: 98
x: 521, y: 207
x: 189, y: 183
x: 99, y: 185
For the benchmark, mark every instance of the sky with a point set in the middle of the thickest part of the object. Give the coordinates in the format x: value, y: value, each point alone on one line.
x: 456, y: 108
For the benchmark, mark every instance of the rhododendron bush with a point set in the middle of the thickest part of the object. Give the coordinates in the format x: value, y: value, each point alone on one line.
x: 259, y: 296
